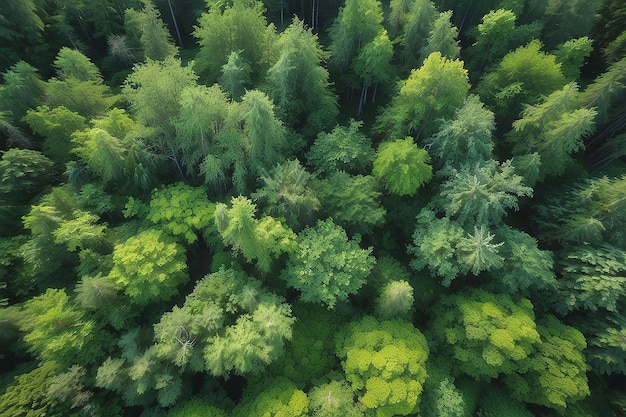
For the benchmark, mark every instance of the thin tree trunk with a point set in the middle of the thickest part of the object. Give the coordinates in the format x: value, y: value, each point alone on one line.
x: 180, y: 39
x: 375, y: 89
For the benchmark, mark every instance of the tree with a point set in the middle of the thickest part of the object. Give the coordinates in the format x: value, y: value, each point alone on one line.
x: 102, y: 153
x: 486, y: 334
x: 571, y: 55
x: 554, y: 129
x: 417, y: 29
x: 149, y: 267
x: 154, y: 91
x: 373, y: 65
x: 28, y: 394
x: 298, y: 83
x: 327, y: 267
x: 71, y: 63
x: 402, y: 166
x: 432, y: 92
x: 240, y: 26
x: 262, y: 240
x: 443, y: 38
x: 343, y: 149
x: 464, y: 140
x: 287, y: 193
x: 23, y: 173
x: 384, y: 361
x: 523, y: 76
x: 332, y: 399
x: 21, y: 90
x: 353, y: 202
x: 155, y: 38
x: 196, y: 406
x: 557, y: 375
x: 395, y: 301
x: 235, y: 76
x: 56, y: 125
x: 493, y: 38
x: 273, y: 398
x: 481, y: 195
x: 56, y: 331
x: 182, y: 210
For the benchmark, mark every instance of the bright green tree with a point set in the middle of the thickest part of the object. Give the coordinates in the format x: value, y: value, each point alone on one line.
x: 71, y: 63
x: 237, y: 27
x: 395, y: 301
x: 373, y: 65
x: 432, y: 92
x: 149, y: 267
x: 557, y: 374
x: 334, y: 398
x: 402, y: 166
x: 261, y: 240
x: 572, y: 55
x: 102, y: 153
x: 56, y: 125
x: 327, y: 267
x: 384, y: 361
x: 27, y: 395
x: 486, y: 334
x: 182, y: 210
x: 277, y: 397
x: 56, y: 331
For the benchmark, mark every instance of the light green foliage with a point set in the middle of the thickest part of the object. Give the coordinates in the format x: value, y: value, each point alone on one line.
x: 154, y: 90
x: 71, y: 63
x: 235, y: 76
x: 402, y: 166
x: 493, y: 40
x: 327, y: 267
x: 343, y: 149
x: 196, y: 407
x: 101, y: 152
x: 298, y: 83
x: 261, y: 240
x: 357, y: 23
x: 149, y: 267
x: 235, y: 27
x: 384, y: 361
x: 464, y: 140
x: 486, y: 334
x: 395, y: 301
x: 351, y: 201
x: 478, y: 252
x: 23, y: 173
x: 203, y: 114
x: 95, y: 293
x: 88, y: 98
x: 155, y: 38
x: 116, y: 123
x: 571, y: 55
x: 182, y: 210
x: 557, y: 371
x: 56, y: 125
x: 432, y: 92
x: 481, y: 195
x: 523, y: 76
x: 69, y: 388
x: 28, y: 396
x: 80, y: 232
x: 373, y: 62
x: 56, y: 331
x: 554, y: 129
x: 443, y: 38
x: 334, y: 398
x: 287, y: 194
x: 277, y: 397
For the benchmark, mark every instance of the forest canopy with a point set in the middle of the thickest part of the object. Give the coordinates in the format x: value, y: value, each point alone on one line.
x: 283, y: 208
